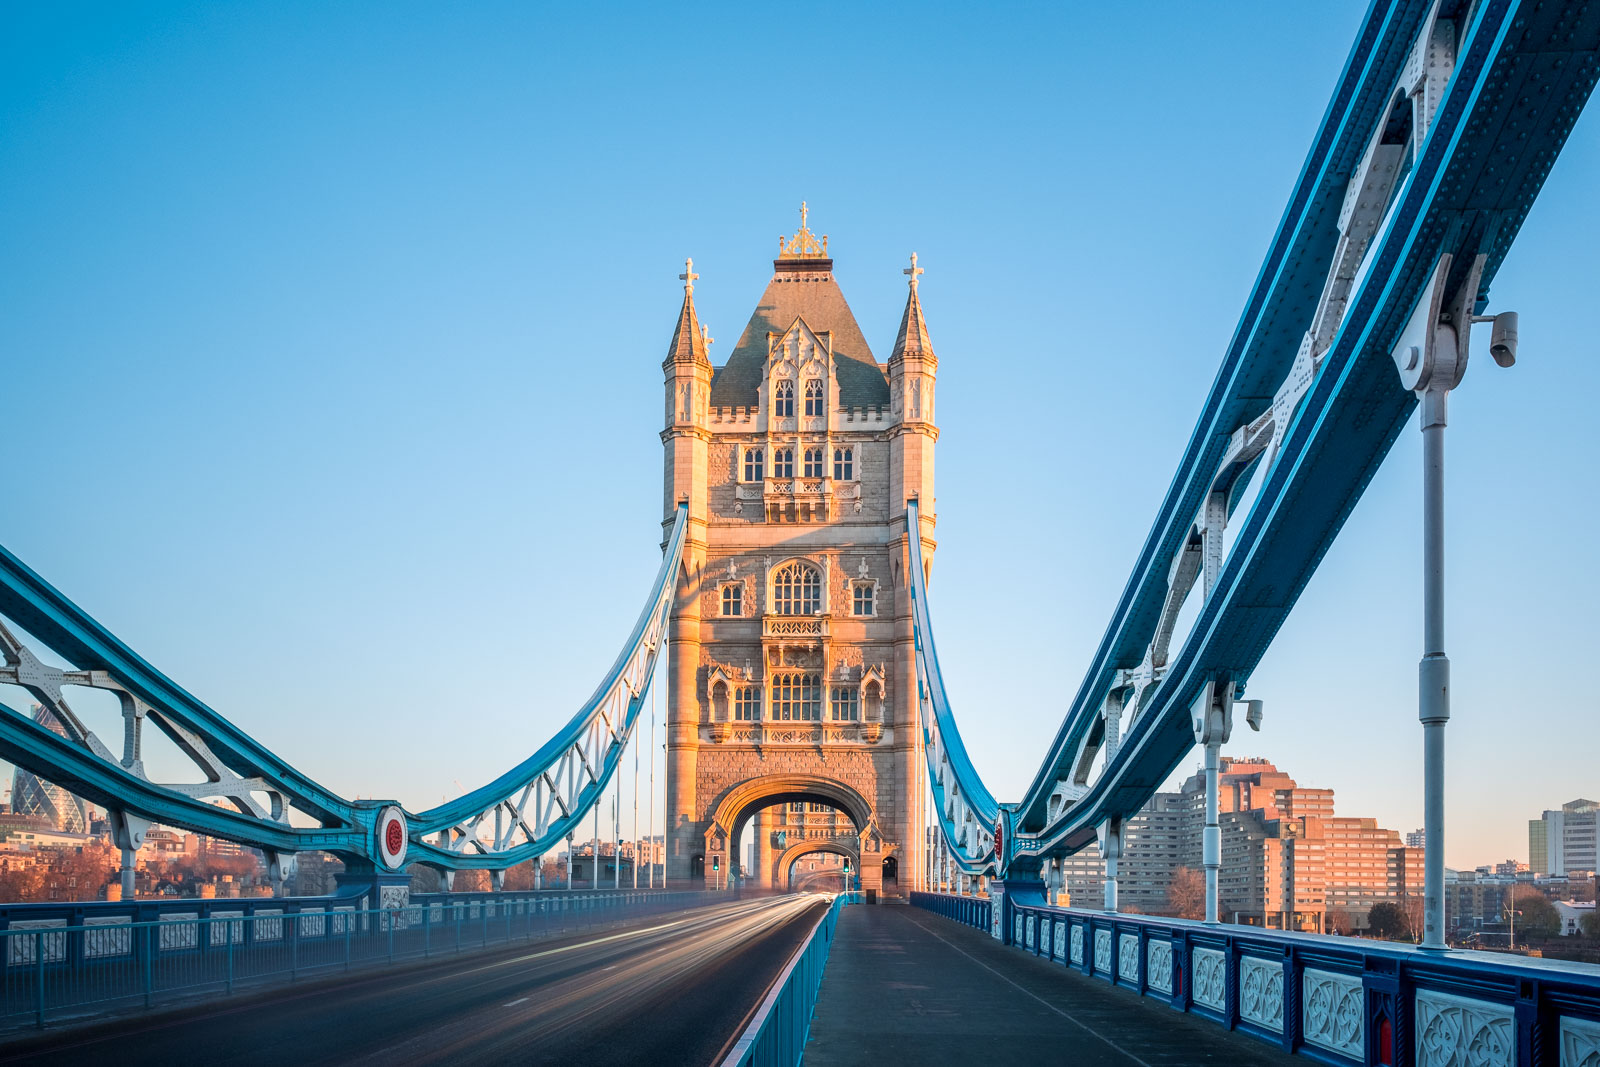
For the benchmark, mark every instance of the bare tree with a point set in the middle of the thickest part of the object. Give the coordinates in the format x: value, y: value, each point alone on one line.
x: 1186, y: 895
x: 1338, y: 921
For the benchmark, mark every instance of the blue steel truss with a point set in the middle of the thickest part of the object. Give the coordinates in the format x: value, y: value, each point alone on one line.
x: 249, y: 791
x: 1441, y: 131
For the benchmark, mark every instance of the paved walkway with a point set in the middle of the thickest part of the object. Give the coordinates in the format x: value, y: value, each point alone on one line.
x: 906, y: 986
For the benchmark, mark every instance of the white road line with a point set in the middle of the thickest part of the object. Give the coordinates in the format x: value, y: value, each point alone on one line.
x: 514, y: 1003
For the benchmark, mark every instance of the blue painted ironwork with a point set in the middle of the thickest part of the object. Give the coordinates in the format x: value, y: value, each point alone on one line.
x: 1338, y: 999
x: 98, y: 957
x: 531, y: 808
x: 1315, y: 337
x: 776, y: 1035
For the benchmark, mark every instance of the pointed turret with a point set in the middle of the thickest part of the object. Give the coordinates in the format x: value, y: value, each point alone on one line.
x: 688, y: 339
x: 913, y: 341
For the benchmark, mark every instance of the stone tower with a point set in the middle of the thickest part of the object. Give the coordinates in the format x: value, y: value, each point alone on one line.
x: 790, y: 669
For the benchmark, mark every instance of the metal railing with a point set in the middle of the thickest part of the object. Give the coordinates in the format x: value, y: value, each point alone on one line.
x: 58, y: 969
x: 1338, y: 999
x: 776, y: 1035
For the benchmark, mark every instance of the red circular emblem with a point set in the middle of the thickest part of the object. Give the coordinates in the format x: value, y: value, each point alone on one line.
x: 999, y: 841
x: 394, y: 836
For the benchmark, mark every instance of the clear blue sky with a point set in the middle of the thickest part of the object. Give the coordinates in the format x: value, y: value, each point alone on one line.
x: 332, y: 336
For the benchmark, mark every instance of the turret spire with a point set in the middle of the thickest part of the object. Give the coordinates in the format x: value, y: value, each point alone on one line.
x: 913, y: 339
x: 689, y: 339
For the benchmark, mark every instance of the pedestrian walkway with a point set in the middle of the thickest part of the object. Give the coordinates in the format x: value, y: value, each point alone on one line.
x: 906, y: 986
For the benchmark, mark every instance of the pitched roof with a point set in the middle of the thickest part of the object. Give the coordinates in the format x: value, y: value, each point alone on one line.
x: 802, y: 289
x: 913, y: 339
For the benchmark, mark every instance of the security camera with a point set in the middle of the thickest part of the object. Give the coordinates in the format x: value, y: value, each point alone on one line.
x: 1503, y: 338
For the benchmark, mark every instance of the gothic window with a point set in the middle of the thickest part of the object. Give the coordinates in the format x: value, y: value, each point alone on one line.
x: 813, y: 468
x: 783, y: 401
x: 861, y: 600
x: 747, y: 703
x: 797, y: 698
x: 846, y: 704
x: 813, y: 397
x: 732, y: 599
x: 796, y: 590
x: 754, y: 460
x: 844, y: 464
x: 783, y: 463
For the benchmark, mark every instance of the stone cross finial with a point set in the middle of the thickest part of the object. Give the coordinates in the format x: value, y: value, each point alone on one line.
x: 802, y: 214
x: 913, y: 270
x: 688, y: 276
x: 705, y: 335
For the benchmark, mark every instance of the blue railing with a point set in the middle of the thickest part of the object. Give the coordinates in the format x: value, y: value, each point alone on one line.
x: 970, y: 911
x: 1342, y: 1000
x: 776, y: 1035
x: 127, y: 955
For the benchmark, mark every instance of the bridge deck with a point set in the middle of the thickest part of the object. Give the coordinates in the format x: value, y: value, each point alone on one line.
x: 904, y: 986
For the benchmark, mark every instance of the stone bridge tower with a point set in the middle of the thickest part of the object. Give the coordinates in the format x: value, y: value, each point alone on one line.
x: 790, y: 670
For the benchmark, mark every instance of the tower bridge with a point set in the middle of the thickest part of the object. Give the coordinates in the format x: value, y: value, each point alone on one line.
x: 793, y: 608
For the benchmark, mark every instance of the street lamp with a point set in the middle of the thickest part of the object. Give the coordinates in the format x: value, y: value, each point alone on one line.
x: 1431, y: 356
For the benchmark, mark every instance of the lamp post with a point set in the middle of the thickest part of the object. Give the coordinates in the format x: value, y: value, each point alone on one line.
x: 1432, y: 359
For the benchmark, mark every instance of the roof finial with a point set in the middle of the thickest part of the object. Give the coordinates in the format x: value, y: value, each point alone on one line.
x: 705, y: 335
x: 804, y: 245
x: 913, y: 270
x: 687, y: 277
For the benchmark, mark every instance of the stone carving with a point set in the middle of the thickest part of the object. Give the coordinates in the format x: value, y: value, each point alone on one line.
x: 1210, y: 967
x: 1059, y: 951
x: 1158, y: 965
x: 1333, y: 1011
x: 1029, y: 941
x: 1261, y: 992
x: 1580, y: 1042
x: 1077, y: 944
x: 1102, y: 951
x: 1128, y: 957
x: 1454, y: 1031
x: 1016, y: 930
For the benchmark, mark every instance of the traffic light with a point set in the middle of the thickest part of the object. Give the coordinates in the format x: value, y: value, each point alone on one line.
x: 847, y: 865
x: 716, y: 863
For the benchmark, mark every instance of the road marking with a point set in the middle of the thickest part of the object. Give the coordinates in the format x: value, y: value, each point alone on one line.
x: 514, y: 1003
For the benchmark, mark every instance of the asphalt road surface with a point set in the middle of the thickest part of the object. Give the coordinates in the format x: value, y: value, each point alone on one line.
x: 672, y: 989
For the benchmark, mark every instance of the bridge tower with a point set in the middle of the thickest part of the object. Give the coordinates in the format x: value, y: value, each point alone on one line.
x: 790, y: 666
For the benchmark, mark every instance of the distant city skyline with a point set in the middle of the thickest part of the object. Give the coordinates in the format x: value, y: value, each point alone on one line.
x: 341, y: 390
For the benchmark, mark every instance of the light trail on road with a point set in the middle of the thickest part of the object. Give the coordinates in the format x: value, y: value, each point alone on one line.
x: 671, y: 990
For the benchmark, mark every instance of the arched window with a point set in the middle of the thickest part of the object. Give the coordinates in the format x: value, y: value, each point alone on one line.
x: 783, y: 400
x: 797, y: 698
x: 753, y: 462
x: 733, y: 599
x: 813, y: 467
x: 796, y: 590
x: 783, y: 462
x: 861, y: 598
x: 844, y: 464
x: 813, y: 397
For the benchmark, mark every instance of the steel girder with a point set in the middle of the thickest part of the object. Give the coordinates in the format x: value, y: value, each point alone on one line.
x: 532, y: 806
x: 1439, y: 136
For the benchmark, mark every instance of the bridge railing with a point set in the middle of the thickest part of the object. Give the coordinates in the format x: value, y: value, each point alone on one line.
x: 970, y: 911
x: 776, y: 1034
x: 53, y: 969
x: 1340, y: 999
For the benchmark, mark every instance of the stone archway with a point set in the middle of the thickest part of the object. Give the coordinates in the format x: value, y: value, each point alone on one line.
x: 784, y: 864
x: 742, y: 801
